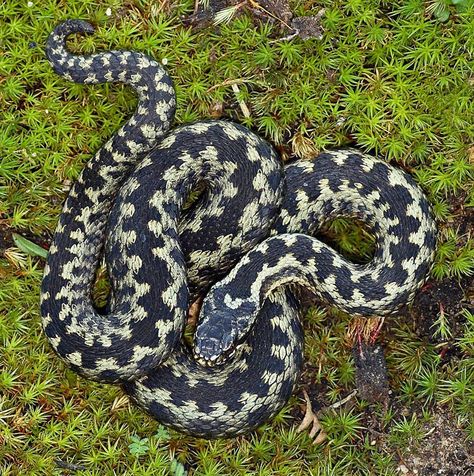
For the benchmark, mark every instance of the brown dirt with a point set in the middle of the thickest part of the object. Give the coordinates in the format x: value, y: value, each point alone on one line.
x: 204, y: 17
x: 316, y: 391
x: 277, y: 12
x: 443, y: 451
x: 449, y: 297
x: 6, y: 240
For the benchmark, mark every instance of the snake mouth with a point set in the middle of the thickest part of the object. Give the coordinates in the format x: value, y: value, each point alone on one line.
x: 206, y: 359
x: 208, y: 362
x: 215, y: 346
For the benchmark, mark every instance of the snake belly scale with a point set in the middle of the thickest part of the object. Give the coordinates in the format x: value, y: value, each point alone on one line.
x: 244, y: 244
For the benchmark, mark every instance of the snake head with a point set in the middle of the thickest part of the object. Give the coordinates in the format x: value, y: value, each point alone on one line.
x: 222, y: 326
x: 215, y: 337
x: 216, y: 348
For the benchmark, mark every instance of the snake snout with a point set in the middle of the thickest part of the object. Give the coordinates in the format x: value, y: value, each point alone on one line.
x: 213, y: 349
x: 207, y: 352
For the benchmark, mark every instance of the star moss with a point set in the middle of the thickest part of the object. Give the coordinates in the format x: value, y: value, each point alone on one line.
x: 394, y: 79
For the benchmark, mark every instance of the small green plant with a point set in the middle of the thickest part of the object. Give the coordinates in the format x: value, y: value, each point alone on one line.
x: 440, y: 9
x: 466, y: 340
x: 427, y: 384
x: 441, y: 325
x: 162, y: 434
x: 177, y: 469
x: 407, y: 431
x: 453, y: 258
x: 138, y: 446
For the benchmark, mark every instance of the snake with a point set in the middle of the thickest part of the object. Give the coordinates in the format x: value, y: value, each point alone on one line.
x: 246, y: 245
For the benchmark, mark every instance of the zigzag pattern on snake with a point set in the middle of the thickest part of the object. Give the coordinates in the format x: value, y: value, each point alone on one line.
x: 252, y: 226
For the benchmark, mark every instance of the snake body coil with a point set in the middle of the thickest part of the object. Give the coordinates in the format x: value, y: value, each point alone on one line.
x: 253, y: 225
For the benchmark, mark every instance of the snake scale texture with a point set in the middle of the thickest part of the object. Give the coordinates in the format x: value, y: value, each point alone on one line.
x: 245, y: 244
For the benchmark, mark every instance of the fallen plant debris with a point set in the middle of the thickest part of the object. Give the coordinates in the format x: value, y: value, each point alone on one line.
x: 310, y: 419
x: 277, y: 12
x: 28, y: 246
x: 371, y: 372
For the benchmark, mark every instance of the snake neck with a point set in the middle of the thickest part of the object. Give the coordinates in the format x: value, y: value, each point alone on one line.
x: 233, y: 305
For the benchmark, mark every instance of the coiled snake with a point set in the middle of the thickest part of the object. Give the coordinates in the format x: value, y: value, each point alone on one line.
x: 253, y: 225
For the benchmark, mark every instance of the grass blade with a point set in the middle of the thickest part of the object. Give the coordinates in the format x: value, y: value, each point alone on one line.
x: 28, y: 246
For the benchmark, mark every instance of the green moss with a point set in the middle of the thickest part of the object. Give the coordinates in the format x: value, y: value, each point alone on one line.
x: 393, y: 80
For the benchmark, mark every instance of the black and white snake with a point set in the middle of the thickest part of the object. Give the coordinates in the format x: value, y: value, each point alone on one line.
x: 252, y: 226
